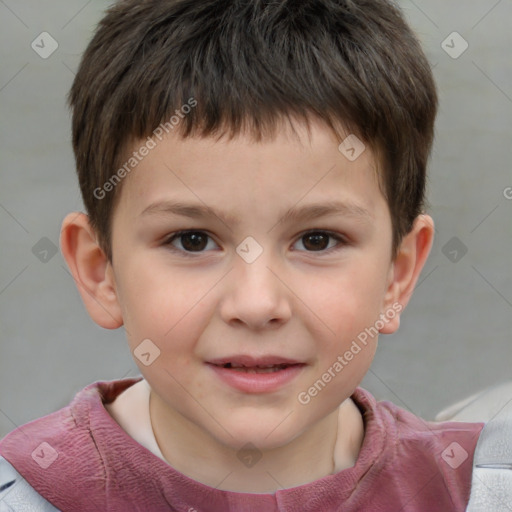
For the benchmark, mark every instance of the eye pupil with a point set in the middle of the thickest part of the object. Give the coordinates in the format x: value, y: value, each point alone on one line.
x: 197, y: 241
x: 319, y: 240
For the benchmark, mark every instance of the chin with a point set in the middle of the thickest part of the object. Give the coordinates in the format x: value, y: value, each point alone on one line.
x: 262, y: 434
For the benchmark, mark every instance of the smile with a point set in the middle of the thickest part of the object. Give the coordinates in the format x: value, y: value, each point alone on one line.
x: 256, y: 378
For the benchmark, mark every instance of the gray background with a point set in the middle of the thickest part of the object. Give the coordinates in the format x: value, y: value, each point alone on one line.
x: 455, y: 337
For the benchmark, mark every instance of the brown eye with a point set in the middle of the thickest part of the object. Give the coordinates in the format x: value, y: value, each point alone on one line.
x: 193, y: 241
x: 190, y: 241
x: 321, y: 241
x: 316, y: 241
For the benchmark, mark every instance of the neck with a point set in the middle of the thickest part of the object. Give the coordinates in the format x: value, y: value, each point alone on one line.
x: 331, y: 445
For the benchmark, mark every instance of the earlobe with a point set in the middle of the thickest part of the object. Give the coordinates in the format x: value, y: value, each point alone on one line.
x: 406, y: 268
x: 91, y: 270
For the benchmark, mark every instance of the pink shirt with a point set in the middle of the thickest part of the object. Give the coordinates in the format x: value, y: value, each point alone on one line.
x: 404, y: 464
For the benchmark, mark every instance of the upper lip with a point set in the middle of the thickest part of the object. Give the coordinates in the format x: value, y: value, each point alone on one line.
x: 249, y: 361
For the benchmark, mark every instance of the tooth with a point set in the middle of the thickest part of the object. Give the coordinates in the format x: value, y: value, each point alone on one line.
x: 255, y: 369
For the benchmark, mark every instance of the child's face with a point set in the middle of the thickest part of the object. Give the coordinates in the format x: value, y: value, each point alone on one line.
x: 303, y: 298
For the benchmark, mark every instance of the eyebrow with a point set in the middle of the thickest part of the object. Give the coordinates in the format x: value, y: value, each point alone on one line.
x: 295, y: 213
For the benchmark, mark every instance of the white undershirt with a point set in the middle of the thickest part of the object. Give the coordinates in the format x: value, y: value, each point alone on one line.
x: 131, y: 410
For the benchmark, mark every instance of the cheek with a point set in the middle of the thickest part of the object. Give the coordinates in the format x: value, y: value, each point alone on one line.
x: 164, y: 307
x: 344, y: 303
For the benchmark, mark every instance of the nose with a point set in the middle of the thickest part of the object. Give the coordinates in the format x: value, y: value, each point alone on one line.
x: 255, y: 294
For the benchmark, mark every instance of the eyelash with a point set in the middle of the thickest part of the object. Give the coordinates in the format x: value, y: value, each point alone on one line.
x: 342, y: 241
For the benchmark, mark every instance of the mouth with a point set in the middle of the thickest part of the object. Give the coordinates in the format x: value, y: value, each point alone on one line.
x: 255, y: 364
x: 271, y: 368
x: 256, y: 374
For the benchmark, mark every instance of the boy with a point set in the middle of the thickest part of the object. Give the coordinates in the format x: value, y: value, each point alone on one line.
x: 259, y: 129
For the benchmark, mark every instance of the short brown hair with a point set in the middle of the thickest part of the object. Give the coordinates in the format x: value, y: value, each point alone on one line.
x: 249, y: 64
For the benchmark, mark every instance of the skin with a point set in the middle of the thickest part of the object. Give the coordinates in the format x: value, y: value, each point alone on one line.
x: 296, y: 299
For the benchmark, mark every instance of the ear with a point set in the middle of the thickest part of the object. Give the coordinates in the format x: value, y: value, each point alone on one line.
x: 405, y: 270
x: 91, y: 270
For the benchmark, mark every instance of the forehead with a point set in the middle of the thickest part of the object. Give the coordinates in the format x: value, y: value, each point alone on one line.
x: 297, y: 163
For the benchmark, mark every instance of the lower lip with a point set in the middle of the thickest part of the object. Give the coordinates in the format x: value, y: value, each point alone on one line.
x: 257, y: 382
